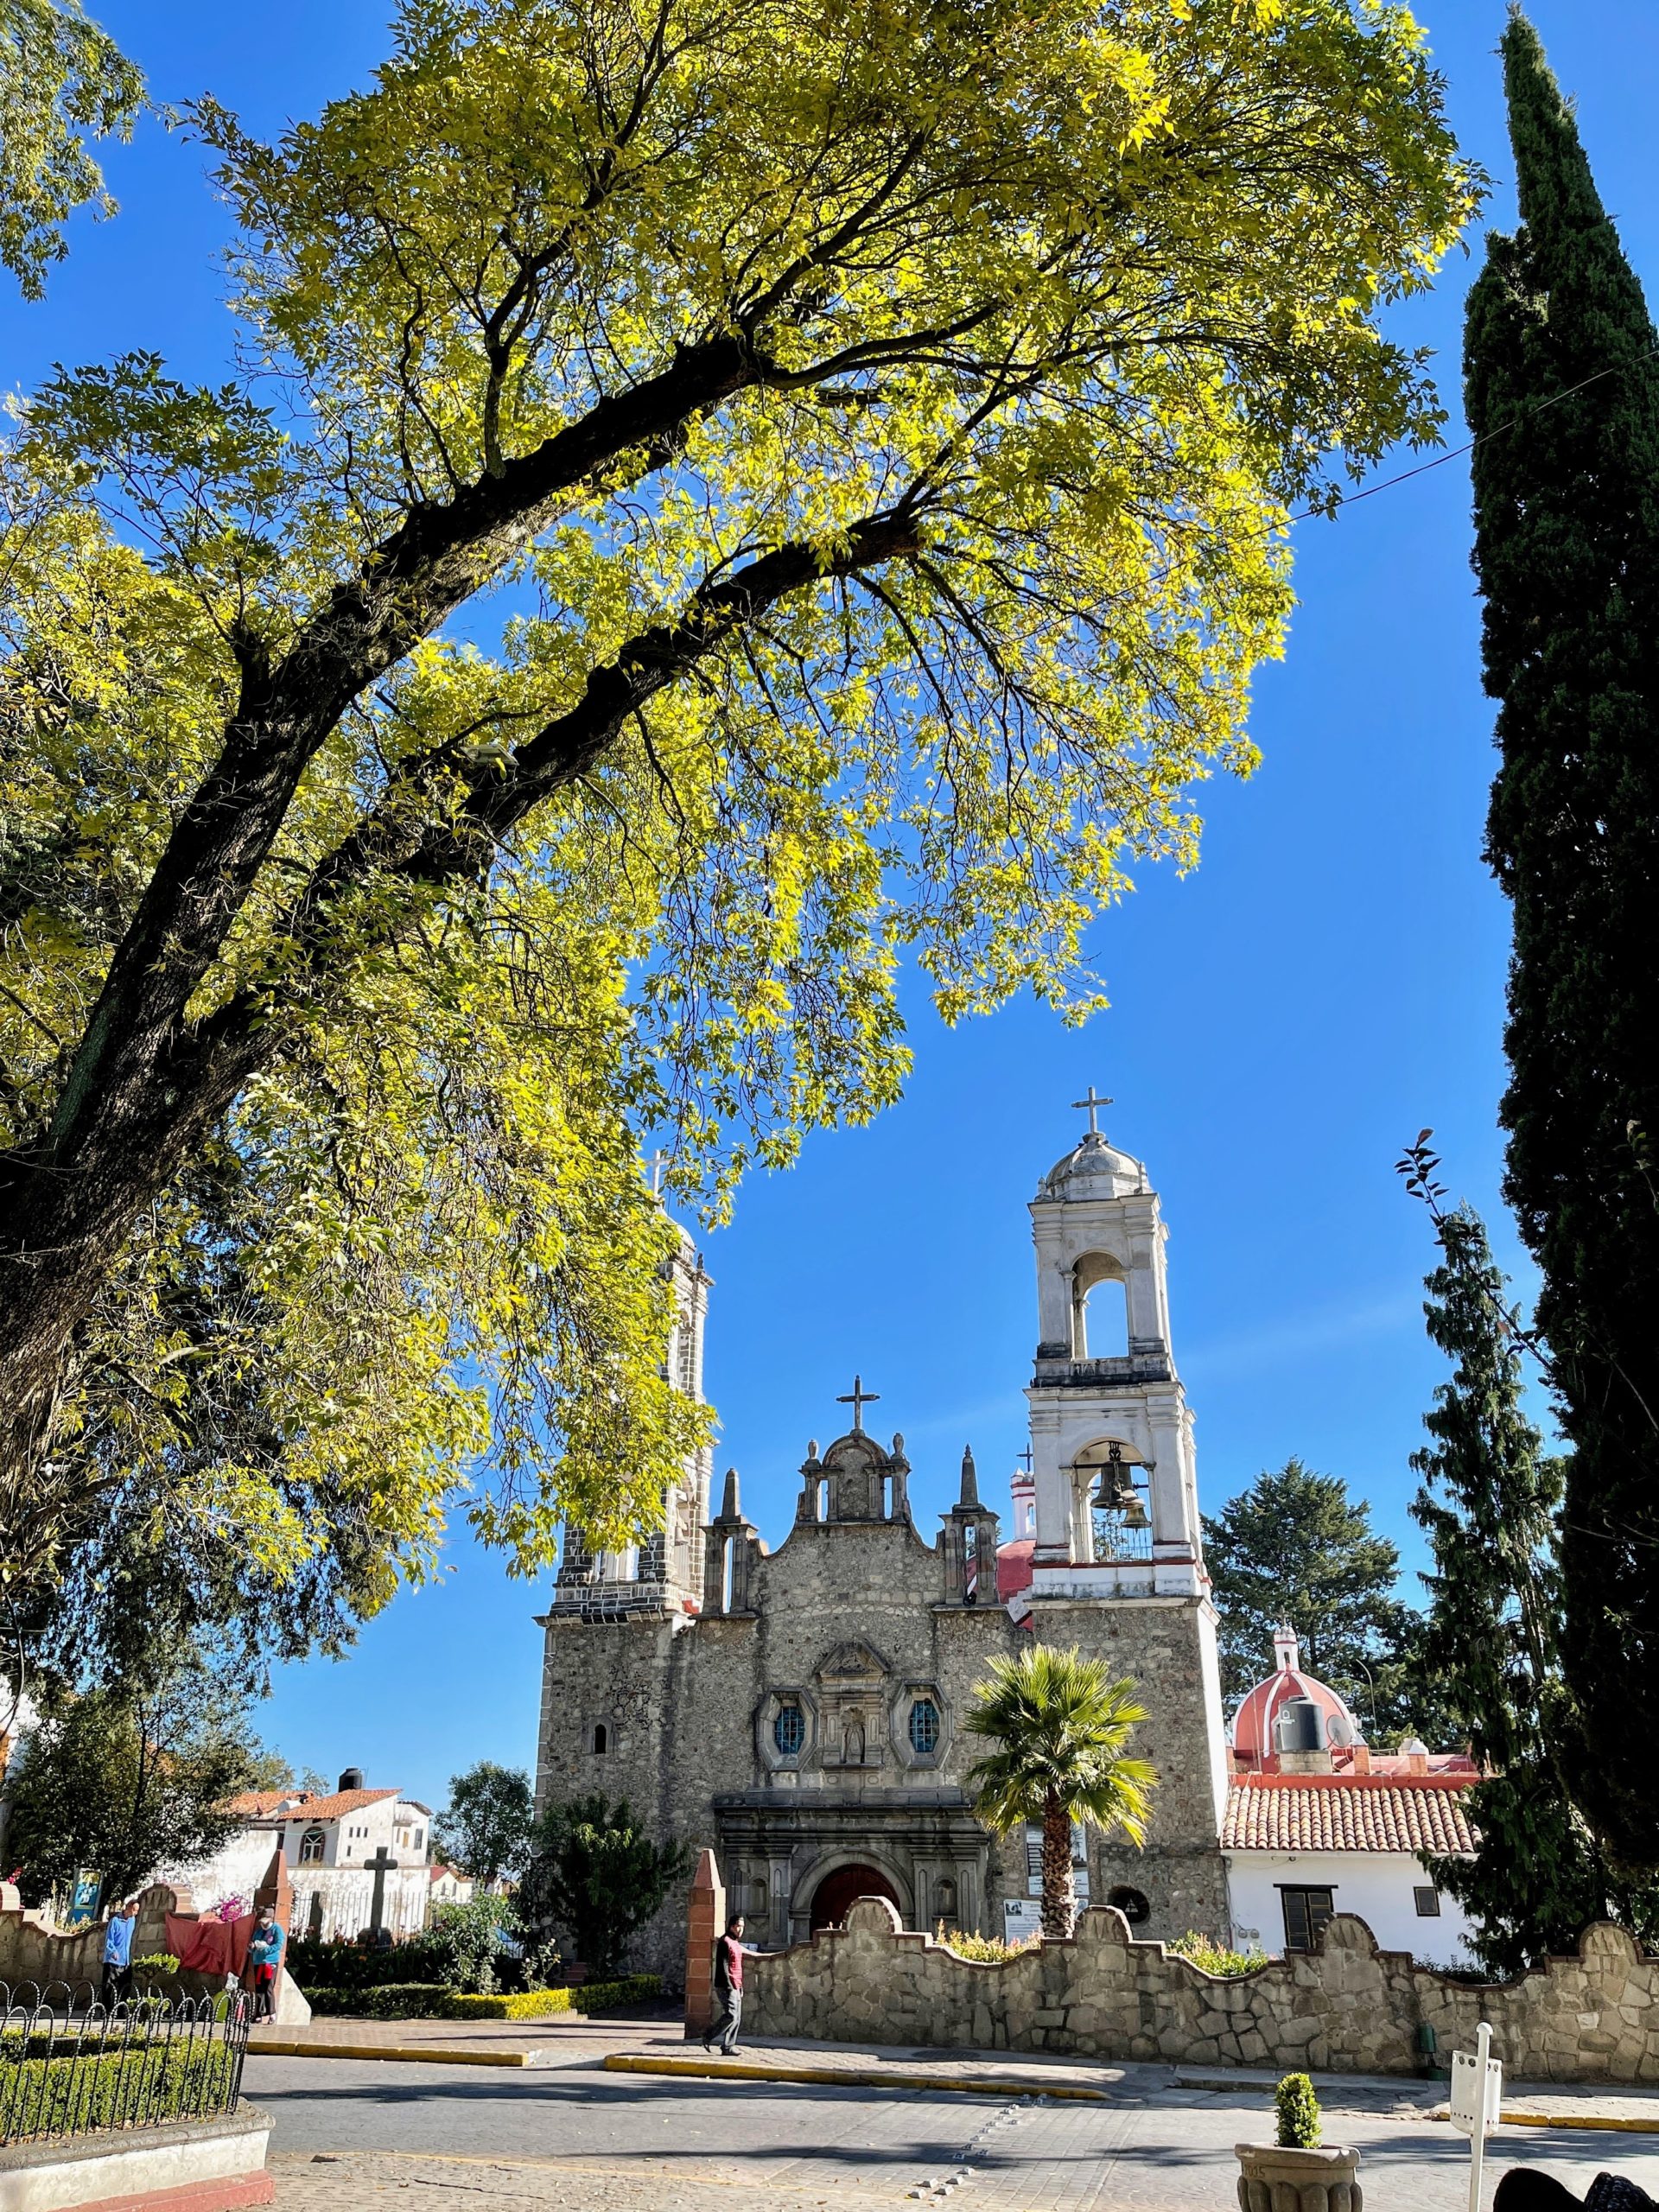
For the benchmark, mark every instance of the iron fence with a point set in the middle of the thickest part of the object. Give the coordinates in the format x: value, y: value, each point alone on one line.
x: 71, y: 2065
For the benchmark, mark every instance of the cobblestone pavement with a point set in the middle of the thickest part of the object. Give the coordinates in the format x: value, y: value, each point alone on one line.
x: 349, y: 2134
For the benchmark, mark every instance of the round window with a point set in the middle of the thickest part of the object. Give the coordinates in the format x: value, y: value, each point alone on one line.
x: 1130, y: 1903
x: 924, y: 1725
x: 789, y: 1730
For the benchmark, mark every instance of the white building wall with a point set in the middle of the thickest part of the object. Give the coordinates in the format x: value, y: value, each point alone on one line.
x: 1375, y: 1885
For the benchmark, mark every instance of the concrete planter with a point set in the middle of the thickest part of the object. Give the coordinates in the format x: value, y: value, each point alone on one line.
x: 190, y: 2165
x: 1273, y: 2179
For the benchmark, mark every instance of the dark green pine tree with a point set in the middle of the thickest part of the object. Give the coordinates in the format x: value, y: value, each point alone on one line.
x: 1490, y: 1638
x: 1563, y: 393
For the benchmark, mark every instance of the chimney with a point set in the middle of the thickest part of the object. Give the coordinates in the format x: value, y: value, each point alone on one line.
x: 1362, y: 1759
x: 1415, y: 1751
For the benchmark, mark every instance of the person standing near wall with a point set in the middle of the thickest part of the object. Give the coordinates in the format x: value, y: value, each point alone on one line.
x: 118, y: 1952
x: 728, y: 1987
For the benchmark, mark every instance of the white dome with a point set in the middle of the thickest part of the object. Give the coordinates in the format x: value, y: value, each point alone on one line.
x: 1095, y: 1169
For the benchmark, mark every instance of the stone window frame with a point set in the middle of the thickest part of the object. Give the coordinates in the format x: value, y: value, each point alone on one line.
x: 908, y: 1695
x: 765, y: 1723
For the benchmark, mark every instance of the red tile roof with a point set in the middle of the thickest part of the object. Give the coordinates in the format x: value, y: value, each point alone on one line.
x: 335, y: 1807
x: 1348, y: 1812
x: 259, y: 1804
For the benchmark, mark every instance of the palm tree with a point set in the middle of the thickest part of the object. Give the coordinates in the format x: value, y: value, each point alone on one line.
x: 1060, y: 1725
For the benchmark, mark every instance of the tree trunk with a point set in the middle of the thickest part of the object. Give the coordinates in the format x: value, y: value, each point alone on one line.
x: 1059, y: 1889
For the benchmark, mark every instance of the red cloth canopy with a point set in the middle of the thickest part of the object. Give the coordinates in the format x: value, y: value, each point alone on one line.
x: 210, y: 1946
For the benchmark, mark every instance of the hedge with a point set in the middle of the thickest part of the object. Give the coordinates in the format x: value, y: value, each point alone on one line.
x: 536, y: 2004
x: 417, y: 2000
x: 73, y: 2097
x: 404, y: 2000
x: 357, y: 1966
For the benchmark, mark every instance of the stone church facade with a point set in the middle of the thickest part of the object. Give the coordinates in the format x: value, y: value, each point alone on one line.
x: 801, y: 1709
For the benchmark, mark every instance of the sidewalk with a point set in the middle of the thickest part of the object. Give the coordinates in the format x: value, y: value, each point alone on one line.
x: 565, y: 2039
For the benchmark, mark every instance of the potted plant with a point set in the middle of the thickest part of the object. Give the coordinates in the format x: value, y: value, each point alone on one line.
x: 1297, y: 2169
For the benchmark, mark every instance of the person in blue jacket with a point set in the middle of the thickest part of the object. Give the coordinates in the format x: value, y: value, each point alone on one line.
x: 118, y: 1952
x: 265, y: 1948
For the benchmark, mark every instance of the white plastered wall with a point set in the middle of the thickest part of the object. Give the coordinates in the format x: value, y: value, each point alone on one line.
x: 1377, y: 1885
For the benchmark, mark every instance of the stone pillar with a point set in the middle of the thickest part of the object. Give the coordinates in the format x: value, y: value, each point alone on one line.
x: 277, y: 1892
x: 705, y: 1924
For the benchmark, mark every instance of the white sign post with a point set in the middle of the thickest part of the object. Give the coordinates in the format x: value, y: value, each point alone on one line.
x: 1477, y: 2102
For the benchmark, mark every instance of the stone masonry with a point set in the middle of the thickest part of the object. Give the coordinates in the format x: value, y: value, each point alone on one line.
x: 1347, y: 2007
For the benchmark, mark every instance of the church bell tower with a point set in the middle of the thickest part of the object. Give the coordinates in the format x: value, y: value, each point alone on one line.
x: 1117, y: 1566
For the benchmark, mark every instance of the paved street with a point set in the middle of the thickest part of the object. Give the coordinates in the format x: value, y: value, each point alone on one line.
x: 349, y: 2132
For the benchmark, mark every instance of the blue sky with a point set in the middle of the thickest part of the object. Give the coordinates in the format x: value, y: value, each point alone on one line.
x: 1283, y: 1020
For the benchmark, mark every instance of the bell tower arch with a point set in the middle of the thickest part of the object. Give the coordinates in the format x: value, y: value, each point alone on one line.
x: 1117, y: 1566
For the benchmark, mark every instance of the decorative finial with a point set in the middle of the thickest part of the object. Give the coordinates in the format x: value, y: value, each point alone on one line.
x: 969, y: 1477
x: 1091, y: 1105
x: 898, y: 1443
x: 811, y: 1447
x: 858, y: 1397
x: 728, y: 1506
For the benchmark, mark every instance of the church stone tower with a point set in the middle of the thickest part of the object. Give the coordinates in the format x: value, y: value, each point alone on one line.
x: 663, y: 1574
x: 1117, y: 1565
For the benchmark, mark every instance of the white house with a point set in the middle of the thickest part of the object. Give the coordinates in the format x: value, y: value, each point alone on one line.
x: 357, y: 1858
x: 450, y: 1886
x: 1317, y: 1823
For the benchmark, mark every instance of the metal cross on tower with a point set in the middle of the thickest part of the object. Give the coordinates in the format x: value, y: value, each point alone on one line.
x: 1092, y: 1105
x: 858, y: 1397
x: 656, y: 1163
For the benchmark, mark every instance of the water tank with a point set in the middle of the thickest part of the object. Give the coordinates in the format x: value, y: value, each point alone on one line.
x: 1298, y: 1726
x: 352, y: 1779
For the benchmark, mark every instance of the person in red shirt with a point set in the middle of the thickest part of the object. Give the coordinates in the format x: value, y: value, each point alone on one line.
x: 728, y: 1985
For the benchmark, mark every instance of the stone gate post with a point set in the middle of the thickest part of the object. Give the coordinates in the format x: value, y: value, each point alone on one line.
x: 705, y: 1923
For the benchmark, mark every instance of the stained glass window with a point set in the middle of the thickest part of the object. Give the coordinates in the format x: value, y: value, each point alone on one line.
x: 924, y: 1725
x: 789, y: 1730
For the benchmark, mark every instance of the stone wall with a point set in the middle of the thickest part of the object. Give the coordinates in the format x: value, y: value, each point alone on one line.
x: 1346, y: 2008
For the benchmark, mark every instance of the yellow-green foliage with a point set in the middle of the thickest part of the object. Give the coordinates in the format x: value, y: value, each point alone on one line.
x: 1215, y: 1958
x: 1006, y: 340
x: 537, y: 2004
x: 984, y: 1950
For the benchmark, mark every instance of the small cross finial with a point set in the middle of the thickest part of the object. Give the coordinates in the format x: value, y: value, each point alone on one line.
x: 858, y: 1397
x: 1024, y: 1455
x: 656, y: 1163
x: 1091, y: 1105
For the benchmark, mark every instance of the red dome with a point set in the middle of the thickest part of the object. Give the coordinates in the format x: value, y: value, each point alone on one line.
x: 1254, y: 1742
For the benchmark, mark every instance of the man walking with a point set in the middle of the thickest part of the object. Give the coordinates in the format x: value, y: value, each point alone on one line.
x: 117, y: 1953
x: 728, y: 1987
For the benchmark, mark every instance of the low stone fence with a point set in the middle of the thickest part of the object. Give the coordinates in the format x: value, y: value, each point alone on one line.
x: 1347, y: 2007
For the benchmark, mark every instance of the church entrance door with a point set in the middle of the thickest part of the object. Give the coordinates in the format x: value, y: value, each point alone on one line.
x: 843, y: 1887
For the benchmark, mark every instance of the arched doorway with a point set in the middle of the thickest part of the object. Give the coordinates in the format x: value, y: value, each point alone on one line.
x: 842, y: 1887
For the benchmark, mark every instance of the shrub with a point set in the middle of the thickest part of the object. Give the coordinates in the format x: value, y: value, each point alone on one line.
x: 984, y: 1950
x: 75, y: 2096
x: 1299, y: 2113
x: 462, y: 1941
x: 387, y: 2000
x: 155, y: 1962
x: 539, y: 2004
x: 340, y: 1965
x: 1214, y: 1958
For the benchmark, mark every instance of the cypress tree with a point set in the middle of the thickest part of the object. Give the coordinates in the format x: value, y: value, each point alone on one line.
x: 1491, y: 1639
x: 1563, y: 393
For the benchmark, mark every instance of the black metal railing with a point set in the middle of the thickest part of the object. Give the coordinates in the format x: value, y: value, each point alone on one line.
x: 70, y: 2065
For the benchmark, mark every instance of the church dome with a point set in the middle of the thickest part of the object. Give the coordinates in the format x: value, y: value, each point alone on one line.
x: 1257, y: 1732
x: 1094, y: 1169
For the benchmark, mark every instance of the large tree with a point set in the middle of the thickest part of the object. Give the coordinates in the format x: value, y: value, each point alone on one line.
x: 1294, y: 1547
x: 486, y: 1828
x: 595, y: 1876
x: 1492, y: 1638
x: 1563, y: 395
x: 127, y: 1781
x: 63, y: 82
x: 720, y: 492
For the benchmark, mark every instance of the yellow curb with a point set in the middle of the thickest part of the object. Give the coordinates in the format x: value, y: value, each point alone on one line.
x: 851, y: 2077
x: 1623, y: 2123
x: 409, y: 2053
